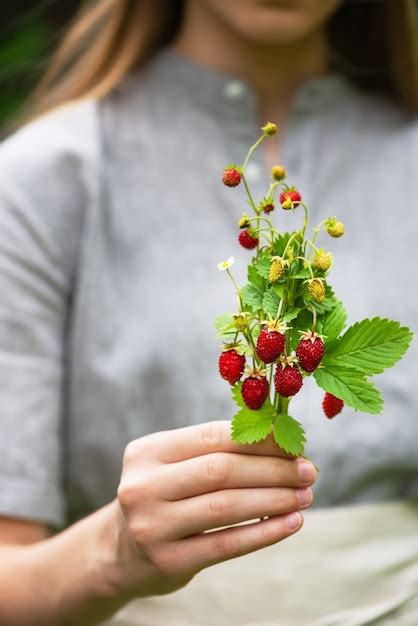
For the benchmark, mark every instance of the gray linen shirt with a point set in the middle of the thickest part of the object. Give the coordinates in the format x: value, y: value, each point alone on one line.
x: 112, y: 221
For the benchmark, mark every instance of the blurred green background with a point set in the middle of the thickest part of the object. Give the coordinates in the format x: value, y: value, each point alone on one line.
x: 28, y: 33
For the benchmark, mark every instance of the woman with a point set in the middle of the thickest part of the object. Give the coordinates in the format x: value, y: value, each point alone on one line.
x: 113, y: 219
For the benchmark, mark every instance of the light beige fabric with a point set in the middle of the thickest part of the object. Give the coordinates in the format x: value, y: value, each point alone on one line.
x: 347, y: 566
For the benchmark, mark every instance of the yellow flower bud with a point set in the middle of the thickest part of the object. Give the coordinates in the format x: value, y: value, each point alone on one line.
x: 269, y: 129
x: 278, y: 172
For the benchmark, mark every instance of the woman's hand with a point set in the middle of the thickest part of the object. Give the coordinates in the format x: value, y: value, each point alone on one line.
x: 177, y: 484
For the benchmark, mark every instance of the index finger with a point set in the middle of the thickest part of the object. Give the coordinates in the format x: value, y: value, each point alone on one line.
x: 176, y: 445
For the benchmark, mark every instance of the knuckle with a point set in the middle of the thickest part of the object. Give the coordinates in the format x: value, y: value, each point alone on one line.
x: 132, y: 492
x: 212, y: 435
x: 219, y: 507
x: 143, y: 531
x: 226, y: 545
x: 132, y: 451
x: 217, y: 468
x: 126, y: 494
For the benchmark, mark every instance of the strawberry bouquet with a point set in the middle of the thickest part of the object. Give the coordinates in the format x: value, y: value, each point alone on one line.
x: 290, y: 325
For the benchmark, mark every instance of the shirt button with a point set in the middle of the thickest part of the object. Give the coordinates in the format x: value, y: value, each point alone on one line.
x: 253, y: 172
x: 234, y: 90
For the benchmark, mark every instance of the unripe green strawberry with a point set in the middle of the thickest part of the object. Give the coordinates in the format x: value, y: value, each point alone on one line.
x: 334, y: 228
x: 323, y: 260
x: 278, y: 172
x: 316, y: 288
x: 276, y: 269
x: 240, y: 323
x: 244, y: 221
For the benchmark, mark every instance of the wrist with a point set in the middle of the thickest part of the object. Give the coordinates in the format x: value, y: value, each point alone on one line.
x: 110, y: 555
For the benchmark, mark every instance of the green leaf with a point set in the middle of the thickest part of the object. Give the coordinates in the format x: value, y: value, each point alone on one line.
x: 281, y: 242
x: 302, y: 322
x: 279, y: 288
x: 351, y: 386
x: 289, y: 434
x: 271, y: 302
x: 301, y: 274
x: 252, y: 297
x: 291, y: 314
x: 370, y: 346
x: 222, y: 321
x: 263, y: 263
x: 254, y: 278
x: 236, y: 394
x: 333, y: 323
x: 250, y: 426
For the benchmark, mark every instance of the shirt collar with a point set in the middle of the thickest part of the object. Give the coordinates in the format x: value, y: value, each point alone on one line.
x: 223, y: 92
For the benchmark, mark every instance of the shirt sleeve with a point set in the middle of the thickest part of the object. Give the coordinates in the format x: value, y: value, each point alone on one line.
x: 47, y: 171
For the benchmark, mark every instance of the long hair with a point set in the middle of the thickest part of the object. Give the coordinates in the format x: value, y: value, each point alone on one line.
x: 374, y: 43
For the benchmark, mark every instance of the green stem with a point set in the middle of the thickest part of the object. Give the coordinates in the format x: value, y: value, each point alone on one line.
x: 311, y: 243
x: 251, y: 341
x: 305, y: 223
x: 289, y: 242
x: 314, y: 318
x: 302, y: 258
x: 237, y: 289
x: 250, y: 198
x: 251, y: 150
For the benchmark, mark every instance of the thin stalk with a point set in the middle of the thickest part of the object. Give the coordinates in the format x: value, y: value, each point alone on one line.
x: 250, y: 198
x: 237, y: 289
x: 289, y: 242
x: 251, y: 150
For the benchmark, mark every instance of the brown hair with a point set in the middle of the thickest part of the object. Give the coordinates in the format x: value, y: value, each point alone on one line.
x: 374, y: 43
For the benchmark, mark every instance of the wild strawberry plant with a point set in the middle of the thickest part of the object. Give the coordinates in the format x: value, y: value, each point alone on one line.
x: 290, y: 325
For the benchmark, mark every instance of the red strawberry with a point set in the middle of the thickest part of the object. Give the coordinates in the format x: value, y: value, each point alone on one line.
x: 291, y: 194
x: 247, y: 240
x: 268, y: 208
x: 310, y: 351
x: 231, y: 365
x: 287, y: 380
x: 270, y: 345
x: 231, y: 177
x: 254, y: 391
x: 332, y: 405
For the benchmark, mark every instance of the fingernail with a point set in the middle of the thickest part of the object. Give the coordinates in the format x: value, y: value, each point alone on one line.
x: 306, y: 471
x: 304, y: 496
x: 293, y: 521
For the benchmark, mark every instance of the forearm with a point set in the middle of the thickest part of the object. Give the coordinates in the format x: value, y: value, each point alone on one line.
x: 66, y: 580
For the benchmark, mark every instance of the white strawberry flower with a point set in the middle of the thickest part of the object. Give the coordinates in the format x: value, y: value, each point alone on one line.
x: 225, y: 265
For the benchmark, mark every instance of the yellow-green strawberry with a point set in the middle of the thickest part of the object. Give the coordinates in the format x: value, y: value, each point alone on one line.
x: 323, y: 260
x: 316, y: 288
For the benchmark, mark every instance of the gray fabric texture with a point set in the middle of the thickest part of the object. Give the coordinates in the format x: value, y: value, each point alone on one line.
x: 112, y: 222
